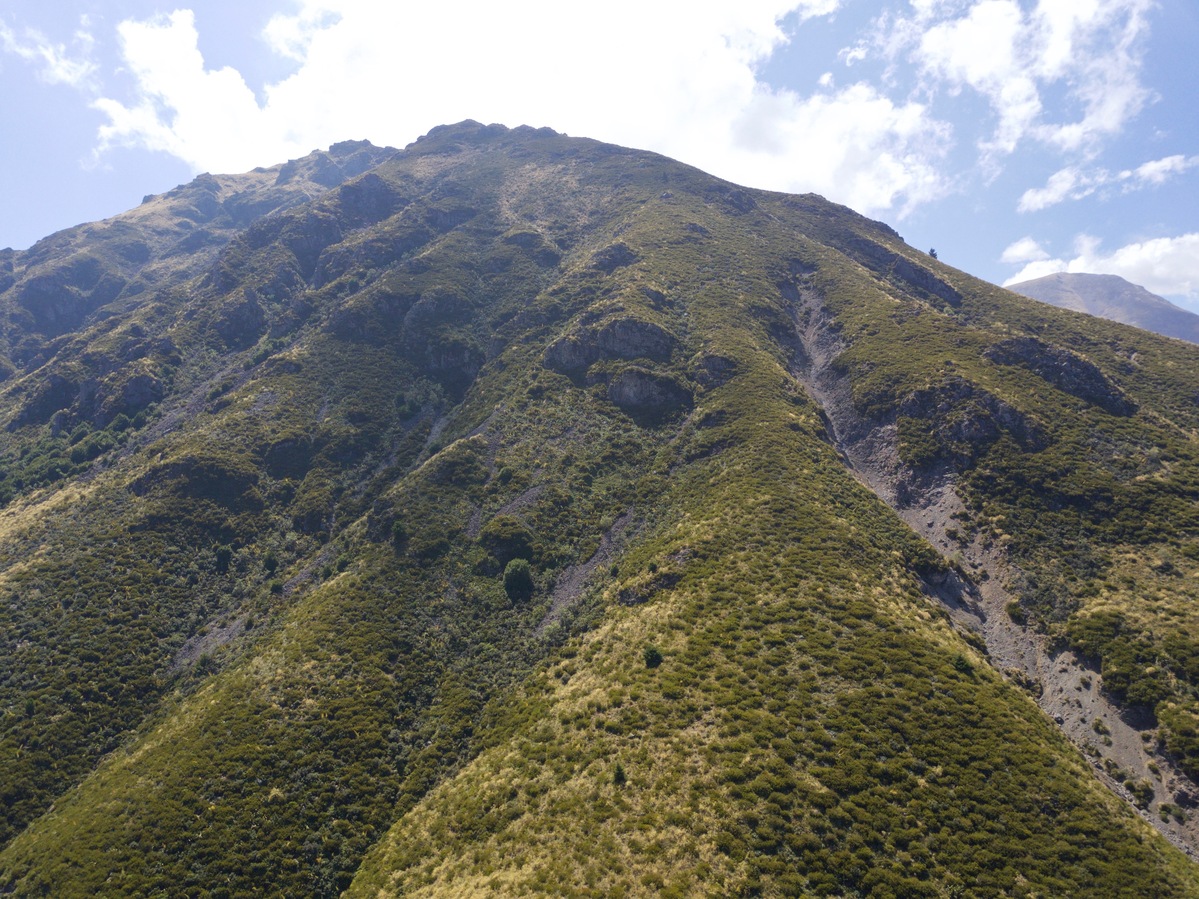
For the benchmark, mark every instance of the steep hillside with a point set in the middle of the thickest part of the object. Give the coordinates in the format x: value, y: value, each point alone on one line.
x: 526, y: 515
x: 1110, y: 296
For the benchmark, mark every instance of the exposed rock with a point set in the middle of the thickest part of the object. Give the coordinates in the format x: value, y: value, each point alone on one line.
x: 640, y: 591
x: 1064, y: 370
x: 372, y: 317
x: 535, y: 243
x: 618, y: 338
x: 895, y: 267
x: 227, y: 479
x: 631, y: 338
x: 569, y: 354
x: 307, y: 235
x: 456, y: 358
x: 60, y: 295
x: 736, y: 199
x: 450, y: 216
x: 437, y: 306
x: 133, y: 395
x: 289, y: 458
x: 611, y: 258
x: 711, y: 369
x: 966, y: 420
x: 54, y: 393
x: 637, y: 390
x: 240, y: 322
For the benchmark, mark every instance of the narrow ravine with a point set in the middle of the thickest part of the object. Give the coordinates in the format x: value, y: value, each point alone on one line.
x: 977, y: 590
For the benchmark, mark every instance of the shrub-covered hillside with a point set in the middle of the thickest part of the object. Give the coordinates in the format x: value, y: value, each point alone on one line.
x: 515, y: 514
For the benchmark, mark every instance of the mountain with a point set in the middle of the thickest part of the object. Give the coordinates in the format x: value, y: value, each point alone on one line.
x: 1110, y: 296
x: 518, y: 514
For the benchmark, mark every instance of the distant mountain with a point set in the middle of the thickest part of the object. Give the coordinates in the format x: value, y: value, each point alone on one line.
x: 517, y: 514
x: 1111, y: 297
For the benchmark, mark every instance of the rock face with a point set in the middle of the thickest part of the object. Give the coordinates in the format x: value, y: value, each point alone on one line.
x: 618, y: 338
x: 899, y: 268
x: 611, y: 258
x: 966, y: 420
x: 1111, y: 297
x: 1064, y: 370
x: 637, y: 390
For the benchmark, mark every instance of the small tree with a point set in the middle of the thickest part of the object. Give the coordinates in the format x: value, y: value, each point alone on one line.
x: 653, y: 656
x: 933, y: 252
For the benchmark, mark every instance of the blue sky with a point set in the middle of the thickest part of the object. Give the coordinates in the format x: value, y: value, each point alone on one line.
x: 1017, y: 137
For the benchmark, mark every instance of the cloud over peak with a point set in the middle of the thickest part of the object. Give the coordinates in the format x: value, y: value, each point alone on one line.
x: 1166, y: 265
x: 683, y: 82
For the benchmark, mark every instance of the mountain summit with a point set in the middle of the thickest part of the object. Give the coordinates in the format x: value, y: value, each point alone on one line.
x: 516, y: 514
x: 1110, y: 296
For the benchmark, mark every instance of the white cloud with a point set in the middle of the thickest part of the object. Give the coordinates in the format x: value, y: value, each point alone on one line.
x: 1037, y: 65
x: 683, y: 82
x: 1168, y: 266
x: 1072, y: 183
x: 291, y: 35
x: 1161, y: 170
x: 207, y: 118
x: 1068, y: 183
x: 55, y: 64
x: 1024, y: 250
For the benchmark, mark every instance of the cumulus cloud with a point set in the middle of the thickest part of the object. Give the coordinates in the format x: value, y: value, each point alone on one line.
x: 683, y: 82
x: 1165, y: 265
x: 1073, y: 183
x: 1024, y: 250
x: 206, y: 118
x: 1035, y: 65
x: 1161, y: 170
x: 55, y: 63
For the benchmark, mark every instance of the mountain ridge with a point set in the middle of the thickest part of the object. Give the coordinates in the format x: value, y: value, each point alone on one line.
x: 498, y: 519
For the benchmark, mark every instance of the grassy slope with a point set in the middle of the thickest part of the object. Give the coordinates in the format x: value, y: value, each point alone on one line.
x: 784, y: 597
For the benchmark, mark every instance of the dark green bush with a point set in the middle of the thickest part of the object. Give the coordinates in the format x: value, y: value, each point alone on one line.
x: 518, y: 580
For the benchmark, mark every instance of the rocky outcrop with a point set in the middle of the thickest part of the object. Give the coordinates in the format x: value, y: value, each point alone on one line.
x: 55, y: 392
x: 639, y: 391
x: 712, y: 369
x: 240, y: 321
x: 964, y: 420
x: 899, y: 269
x: 536, y: 245
x: 609, y: 259
x: 733, y: 198
x: 60, y: 295
x: 618, y: 338
x: 1064, y: 370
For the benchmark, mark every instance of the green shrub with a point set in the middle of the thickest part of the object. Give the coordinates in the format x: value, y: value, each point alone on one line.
x: 507, y: 538
x: 518, y: 580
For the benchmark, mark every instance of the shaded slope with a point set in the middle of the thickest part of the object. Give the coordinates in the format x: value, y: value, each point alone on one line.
x: 503, y: 347
x: 1111, y: 297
